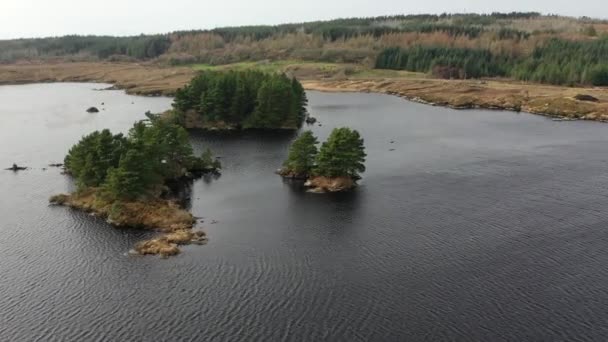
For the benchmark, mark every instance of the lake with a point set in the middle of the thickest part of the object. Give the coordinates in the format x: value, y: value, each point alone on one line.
x: 469, y: 226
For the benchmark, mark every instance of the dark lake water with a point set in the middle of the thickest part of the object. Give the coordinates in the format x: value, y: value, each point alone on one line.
x: 479, y: 226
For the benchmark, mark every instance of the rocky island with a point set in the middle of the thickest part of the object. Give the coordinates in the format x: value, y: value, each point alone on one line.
x: 334, y: 167
x: 124, y: 179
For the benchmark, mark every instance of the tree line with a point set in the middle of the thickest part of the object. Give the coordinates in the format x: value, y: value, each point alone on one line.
x: 244, y: 99
x: 137, y: 165
x: 444, y: 62
x: 102, y: 47
x: 559, y: 62
x: 152, y: 46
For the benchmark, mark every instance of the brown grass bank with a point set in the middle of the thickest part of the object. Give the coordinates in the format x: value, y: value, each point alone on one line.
x: 162, y: 215
x: 493, y: 94
x: 135, y: 78
x: 152, y: 79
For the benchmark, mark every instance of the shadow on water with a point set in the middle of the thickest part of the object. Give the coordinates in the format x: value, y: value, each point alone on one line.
x: 270, y: 136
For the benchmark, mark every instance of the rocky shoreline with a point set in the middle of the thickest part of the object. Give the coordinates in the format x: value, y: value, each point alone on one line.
x: 494, y: 94
x: 174, y: 223
x: 562, y: 103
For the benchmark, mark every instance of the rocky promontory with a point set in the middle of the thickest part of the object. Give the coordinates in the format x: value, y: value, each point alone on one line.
x: 165, y: 216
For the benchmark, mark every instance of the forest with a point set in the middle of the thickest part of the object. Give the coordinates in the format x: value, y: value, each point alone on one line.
x: 243, y: 99
x: 558, y: 62
x: 527, y: 46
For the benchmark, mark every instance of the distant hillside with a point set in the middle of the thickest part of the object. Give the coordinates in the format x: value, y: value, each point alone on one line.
x: 448, y: 45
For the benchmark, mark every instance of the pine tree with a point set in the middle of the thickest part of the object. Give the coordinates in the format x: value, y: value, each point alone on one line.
x: 302, y: 154
x: 90, y: 159
x: 342, y: 155
x: 132, y: 178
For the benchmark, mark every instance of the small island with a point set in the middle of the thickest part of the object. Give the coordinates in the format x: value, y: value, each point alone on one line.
x: 124, y: 179
x: 235, y: 100
x: 334, y: 167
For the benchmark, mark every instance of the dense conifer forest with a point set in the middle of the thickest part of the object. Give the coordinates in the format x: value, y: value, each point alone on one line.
x: 244, y: 99
x: 559, y: 62
x: 526, y: 46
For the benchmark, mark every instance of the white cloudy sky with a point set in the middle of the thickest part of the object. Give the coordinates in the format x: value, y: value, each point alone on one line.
x: 36, y: 18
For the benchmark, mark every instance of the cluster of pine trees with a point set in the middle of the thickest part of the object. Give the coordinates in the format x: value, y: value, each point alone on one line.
x: 559, y: 62
x: 444, y: 61
x: 137, y: 165
x: 567, y: 63
x: 342, y: 155
x: 245, y: 99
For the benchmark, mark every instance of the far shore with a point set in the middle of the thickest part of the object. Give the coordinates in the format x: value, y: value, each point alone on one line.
x: 149, y: 79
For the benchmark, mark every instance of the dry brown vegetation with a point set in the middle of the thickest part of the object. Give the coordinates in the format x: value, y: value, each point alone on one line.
x: 213, y: 48
x: 495, y: 94
x: 321, y: 184
x: 135, y: 78
x: 533, y: 98
x: 163, y: 215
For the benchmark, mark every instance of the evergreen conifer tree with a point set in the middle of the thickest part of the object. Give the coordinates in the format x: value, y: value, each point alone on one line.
x: 342, y: 155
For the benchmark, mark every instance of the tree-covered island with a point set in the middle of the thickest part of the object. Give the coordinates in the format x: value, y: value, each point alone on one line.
x: 334, y: 167
x: 241, y: 100
x: 124, y: 179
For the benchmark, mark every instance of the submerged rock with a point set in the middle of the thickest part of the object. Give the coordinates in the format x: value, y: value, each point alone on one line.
x: 16, y: 168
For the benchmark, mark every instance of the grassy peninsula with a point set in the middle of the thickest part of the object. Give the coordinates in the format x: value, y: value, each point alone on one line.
x: 124, y: 179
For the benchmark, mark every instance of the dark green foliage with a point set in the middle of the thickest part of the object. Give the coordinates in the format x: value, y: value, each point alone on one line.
x: 247, y: 99
x: 135, y: 166
x: 302, y: 154
x: 206, y: 163
x: 508, y: 33
x: 463, y: 25
x: 558, y: 62
x: 565, y: 62
x: 444, y: 62
x: 343, y: 154
x: 90, y: 159
x: 132, y: 178
x: 468, y: 31
x: 599, y: 75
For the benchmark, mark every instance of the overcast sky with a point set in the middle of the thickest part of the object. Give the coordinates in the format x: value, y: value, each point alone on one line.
x: 37, y: 18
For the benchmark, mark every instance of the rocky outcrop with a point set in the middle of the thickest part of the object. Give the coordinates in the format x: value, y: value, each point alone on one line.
x: 311, y: 120
x: 290, y: 174
x: 92, y: 110
x: 16, y: 168
x: 163, y: 215
x: 167, y: 245
x: 322, y: 184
